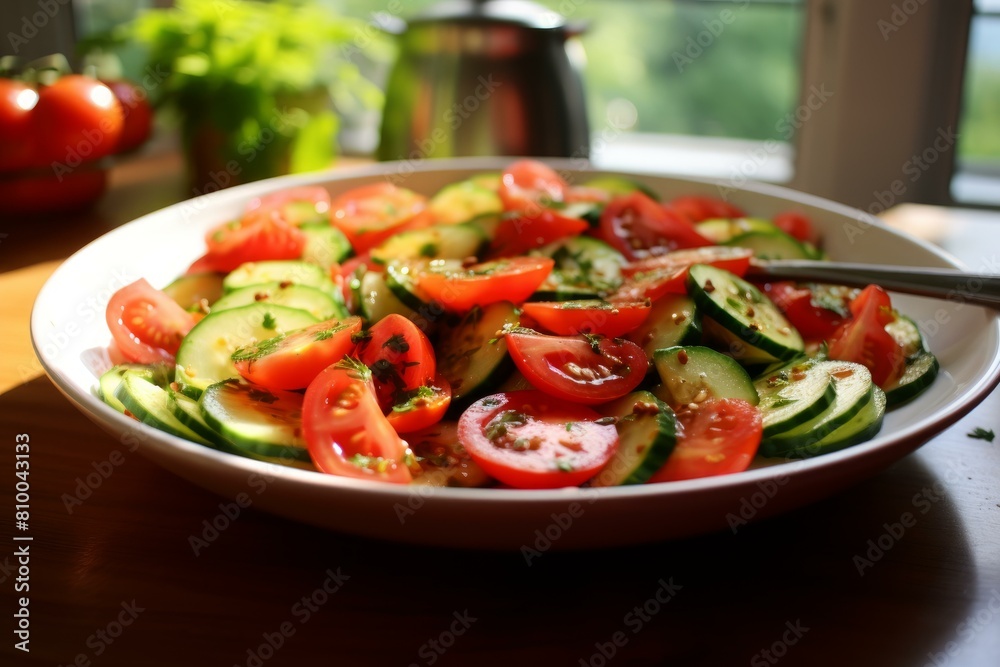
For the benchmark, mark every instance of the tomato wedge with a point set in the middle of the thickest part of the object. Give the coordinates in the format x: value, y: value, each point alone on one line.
x: 529, y: 440
x: 530, y: 185
x: 518, y: 235
x: 458, y: 288
x: 639, y: 227
x: 251, y: 239
x: 796, y: 224
x: 345, y: 430
x: 568, y: 318
x: 810, y: 316
x: 864, y: 339
x: 585, y: 369
x: 423, y: 407
x: 297, y: 206
x: 147, y: 325
x: 372, y: 213
x: 719, y: 437
x: 400, y: 356
x: 697, y: 208
x: 293, y: 360
x: 654, y: 277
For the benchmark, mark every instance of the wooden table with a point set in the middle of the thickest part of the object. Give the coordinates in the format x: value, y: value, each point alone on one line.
x: 115, y: 581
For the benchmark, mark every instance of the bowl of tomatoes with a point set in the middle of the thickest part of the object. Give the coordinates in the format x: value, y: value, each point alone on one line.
x: 474, y: 352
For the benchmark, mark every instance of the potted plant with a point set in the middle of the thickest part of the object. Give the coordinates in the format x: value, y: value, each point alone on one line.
x: 256, y: 87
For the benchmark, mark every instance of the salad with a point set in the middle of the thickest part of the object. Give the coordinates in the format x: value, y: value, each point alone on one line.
x: 513, y: 330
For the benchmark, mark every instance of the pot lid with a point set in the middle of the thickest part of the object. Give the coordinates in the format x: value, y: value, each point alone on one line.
x: 509, y: 12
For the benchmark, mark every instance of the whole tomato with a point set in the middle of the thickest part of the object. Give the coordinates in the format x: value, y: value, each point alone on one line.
x: 77, y: 119
x: 138, y: 114
x: 17, y: 100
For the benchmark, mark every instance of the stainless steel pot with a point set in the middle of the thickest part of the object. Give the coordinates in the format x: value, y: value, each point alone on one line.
x: 494, y: 77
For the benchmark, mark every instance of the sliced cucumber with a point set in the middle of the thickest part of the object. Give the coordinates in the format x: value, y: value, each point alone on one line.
x: 438, y: 242
x: 277, y: 271
x: 150, y: 405
x: 854, y: 390
x: 195, y: 291
x: 257, y: 421
x: 159, y: 374
x: 905, y: 332
x: 694, y: 374
x: 919, y: 374
x: 863, y: 427
x: 463, y: 201
x: 325, y: 245
x: 721, y: 230
x: 442, y: 458
x: 646, y: 437
x: 317, y: 303
x: 744, y: 311
x: 673, y: 320
x: 473, y: 355
x: 617, y: 185
x: 376, y: 300
x: 204, y: 357
x: 188, y: 412
x: 487, y: 223
x: 585, y: 268
x: 793, y: 394
x: 774, y: 244
x: 720, y: 338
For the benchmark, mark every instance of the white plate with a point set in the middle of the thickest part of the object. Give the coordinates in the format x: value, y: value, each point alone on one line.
x: 68, y: 331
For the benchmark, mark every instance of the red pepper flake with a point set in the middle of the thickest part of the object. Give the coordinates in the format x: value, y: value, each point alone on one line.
x: 682, y: 357
x: 709, y: 287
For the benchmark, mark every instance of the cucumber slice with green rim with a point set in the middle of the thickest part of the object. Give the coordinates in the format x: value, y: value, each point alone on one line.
x: 399, y: 280
x: 317, y: 303
x: 694, y: 374
x: 196, y: 290
x: 188, y: 412
x: 257, y: 421
x: 673, y: 320
x: 277, y: 271
x: 792, y: 395
x: 472, y: 356
x: 204, y: 357
x: 463, y: 201
x: 617, y: 185
x: 919, y: 374
x: 438, y: 242
x: 741, y: 309
x: 863, y: 427
x: 646, y: 437
x: 151, y: 405
x: 375, y: 299
x: 721, y: 230
x: 487, y: 224
x: 325, y: 245
x: 905, y: 332
x: 159, y: 374
x: 442, y: 459
x: 772, y: 245
x: 584, y: 267
x: 854, y: 390
x: 720, y: 338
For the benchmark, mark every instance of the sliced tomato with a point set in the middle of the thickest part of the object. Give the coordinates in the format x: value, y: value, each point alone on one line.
x: 251, y: 239
x: 812, y: 319
x: 654, y: 277
x: 518, y: 235
x: 293, y: 360
x: 697, y: 208
x: 586, y: 369
x: 297, y: 206
x: 639, y: 227
x: 529, y: 185
x: 147, y: 325
x: 372, y: 213
x: 458, y: 288
x: 864, y: 339
x: 568, y: 318
x: 529, y: 440
x: 422, y: 407
x: 719, y: 437
x: 796, y: 224
x: 400, y: 356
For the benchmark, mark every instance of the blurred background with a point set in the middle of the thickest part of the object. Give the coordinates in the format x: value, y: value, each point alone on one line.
x: 842, y: 98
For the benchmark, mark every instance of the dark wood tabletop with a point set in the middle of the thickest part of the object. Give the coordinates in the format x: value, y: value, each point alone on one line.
x: 901, y: 569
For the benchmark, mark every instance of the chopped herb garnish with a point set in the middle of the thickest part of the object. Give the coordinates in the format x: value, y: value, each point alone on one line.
x: 595, y: 342
x: 361, y: 336
x: 261, y: 395
x: 491, y: 402
x: 397, y: 343
x: 497, y: 428
x: 980, y: 433
x: 564, y: 465
x: 782, y: 402
x: 569, y: 426
x: 269, y: 322
x: 325, y: 334
x: 429, y: 250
